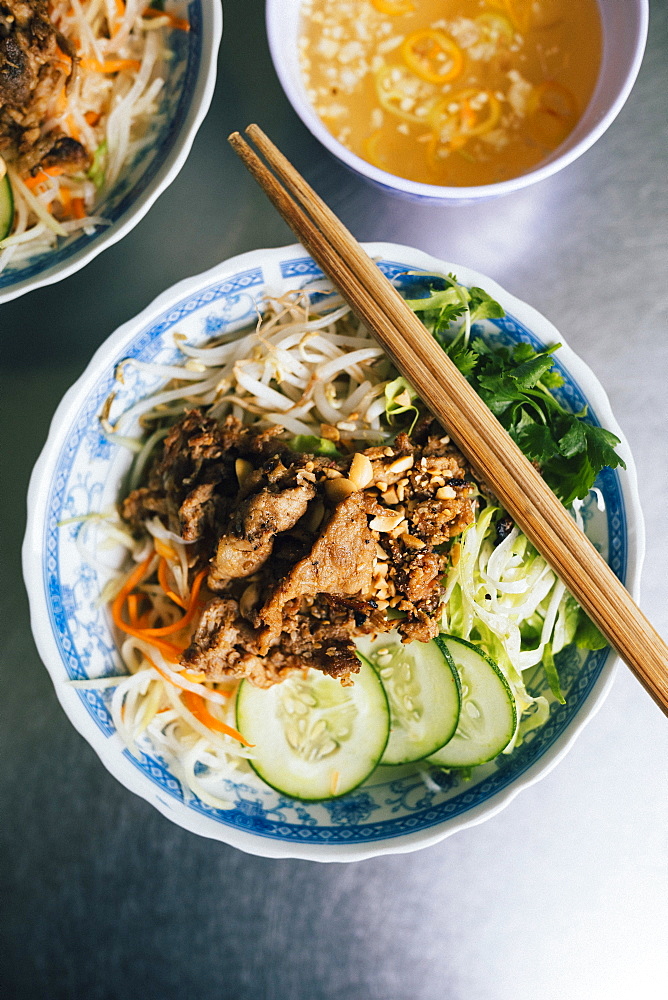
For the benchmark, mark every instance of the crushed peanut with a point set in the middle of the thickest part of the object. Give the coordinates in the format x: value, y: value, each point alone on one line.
x: 386, y: 522
x: 243, y: 470
x: 338, y: 489
x: 361, y: 471
x: 402, y: 464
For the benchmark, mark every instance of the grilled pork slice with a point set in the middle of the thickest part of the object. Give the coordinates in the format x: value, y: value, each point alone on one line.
x: 339, y: 564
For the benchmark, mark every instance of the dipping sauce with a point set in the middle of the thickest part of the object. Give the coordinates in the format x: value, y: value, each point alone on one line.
x: 451, y: 92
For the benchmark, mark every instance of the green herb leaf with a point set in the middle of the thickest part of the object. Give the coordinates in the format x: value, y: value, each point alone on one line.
x: 483, y: 306
x: 516, y: 384
x: 464, y: 358
x: 587, y: 636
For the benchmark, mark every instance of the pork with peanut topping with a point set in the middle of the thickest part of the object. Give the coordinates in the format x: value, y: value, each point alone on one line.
x: 306, y: 552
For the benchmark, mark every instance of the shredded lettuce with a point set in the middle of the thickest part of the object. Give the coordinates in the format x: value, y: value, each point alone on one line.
x: 309, y: 444
x: 399, y: 398
x: 97, y: 169
x: 502, y: 594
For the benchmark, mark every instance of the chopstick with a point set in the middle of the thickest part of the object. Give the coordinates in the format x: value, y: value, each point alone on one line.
x: 471, y: 425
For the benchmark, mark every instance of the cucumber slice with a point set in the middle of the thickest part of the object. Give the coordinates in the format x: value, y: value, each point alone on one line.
x: 422, y: 688
x: 315, y: 739
x: 488, y: 715
x: 6, y: 207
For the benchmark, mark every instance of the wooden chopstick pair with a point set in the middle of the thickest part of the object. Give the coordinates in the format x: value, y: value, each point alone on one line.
x: 471, y: 425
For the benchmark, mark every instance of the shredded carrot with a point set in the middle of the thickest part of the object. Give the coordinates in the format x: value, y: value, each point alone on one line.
x: 92, y: 117
x: 65, y: 199
x: 174, y: 681
x: 43, y: 175
x: 78, y: 208
x: 190, y: 610
x: 169, y: 650
x: 163, y: 566
x: 110, y: 65
x: 150, y: 633
x: 133, y: 580
x: 196, y: 704
x: 174, y: 22
x: 133, y: 605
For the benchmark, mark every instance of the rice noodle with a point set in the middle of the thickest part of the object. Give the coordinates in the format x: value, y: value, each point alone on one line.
x: 299, y: 368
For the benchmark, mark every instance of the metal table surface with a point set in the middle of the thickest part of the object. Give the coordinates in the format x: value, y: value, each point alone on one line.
x: 565, y: 893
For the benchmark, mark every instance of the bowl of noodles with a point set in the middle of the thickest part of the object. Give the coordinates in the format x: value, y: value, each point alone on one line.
x: 100, y: 102
x: 261, y: 373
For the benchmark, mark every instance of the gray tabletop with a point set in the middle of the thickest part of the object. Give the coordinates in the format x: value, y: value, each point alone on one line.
x: 562, y: 895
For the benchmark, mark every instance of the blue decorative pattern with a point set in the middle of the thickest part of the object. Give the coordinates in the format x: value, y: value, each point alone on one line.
x: 86, y: 473
x: 137, y: 176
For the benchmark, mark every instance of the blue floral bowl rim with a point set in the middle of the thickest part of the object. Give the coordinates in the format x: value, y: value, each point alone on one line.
x: 112, y: 753
x: 178, y: 143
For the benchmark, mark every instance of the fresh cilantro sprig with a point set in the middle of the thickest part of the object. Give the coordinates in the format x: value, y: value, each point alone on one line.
x: 516, y: 384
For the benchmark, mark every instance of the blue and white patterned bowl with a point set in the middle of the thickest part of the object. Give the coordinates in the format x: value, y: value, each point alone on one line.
x: 79, y: 471
x: 184, y: 103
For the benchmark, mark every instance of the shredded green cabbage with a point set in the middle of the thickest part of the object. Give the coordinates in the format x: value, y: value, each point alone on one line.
x: 504, y: 596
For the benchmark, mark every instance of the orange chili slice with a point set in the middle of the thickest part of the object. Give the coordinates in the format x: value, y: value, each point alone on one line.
x: 552, y: 111
x: 432, y: 55
x: 393, y: 7
x: 495, y: 26
x: 519, y: 12
x: 461, y: 117
x: 371, y: 153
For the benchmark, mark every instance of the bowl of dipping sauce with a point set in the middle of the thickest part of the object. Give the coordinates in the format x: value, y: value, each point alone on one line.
x: 461, y: 100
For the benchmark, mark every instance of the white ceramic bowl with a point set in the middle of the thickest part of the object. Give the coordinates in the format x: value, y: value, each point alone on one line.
x: 79, y: 471
x: 624, y: 35
x: 184, y: 103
